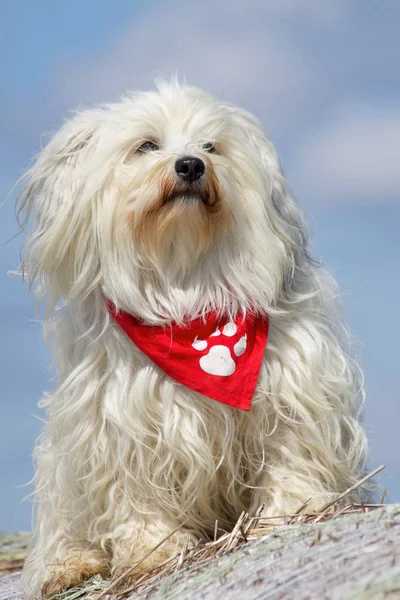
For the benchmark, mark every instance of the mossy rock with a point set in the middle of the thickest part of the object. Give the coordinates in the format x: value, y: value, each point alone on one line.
x: 14, y: 548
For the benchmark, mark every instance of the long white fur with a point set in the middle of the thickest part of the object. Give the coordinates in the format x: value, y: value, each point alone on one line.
x: 127, y: 453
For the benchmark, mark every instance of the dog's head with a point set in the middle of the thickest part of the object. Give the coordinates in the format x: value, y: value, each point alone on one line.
x: 161, y: 195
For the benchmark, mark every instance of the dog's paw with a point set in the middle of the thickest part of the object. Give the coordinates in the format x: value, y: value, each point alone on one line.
x: 221, y: 358
x: 74, y: 571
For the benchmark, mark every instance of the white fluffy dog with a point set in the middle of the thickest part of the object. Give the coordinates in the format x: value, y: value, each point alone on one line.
x: 166, y: 208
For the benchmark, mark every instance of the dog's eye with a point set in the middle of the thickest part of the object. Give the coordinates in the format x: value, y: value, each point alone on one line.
x: 209, y: 147
x: 148, y: 147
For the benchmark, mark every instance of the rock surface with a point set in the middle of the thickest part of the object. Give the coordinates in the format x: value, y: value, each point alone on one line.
x: 356, y: 557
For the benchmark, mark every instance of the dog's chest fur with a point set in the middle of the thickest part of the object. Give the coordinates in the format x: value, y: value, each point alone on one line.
x: 184, y: 446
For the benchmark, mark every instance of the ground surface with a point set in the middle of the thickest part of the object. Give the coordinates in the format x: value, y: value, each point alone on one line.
x: 356, y: 557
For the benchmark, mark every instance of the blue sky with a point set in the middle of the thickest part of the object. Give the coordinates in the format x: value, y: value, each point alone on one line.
x: 323, y: 77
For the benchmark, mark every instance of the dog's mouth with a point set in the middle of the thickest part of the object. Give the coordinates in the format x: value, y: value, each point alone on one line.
x: 188, y: 195
x: 189, y: 198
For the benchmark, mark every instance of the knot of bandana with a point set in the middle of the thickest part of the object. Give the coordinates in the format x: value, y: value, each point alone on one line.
x: 215, y: 356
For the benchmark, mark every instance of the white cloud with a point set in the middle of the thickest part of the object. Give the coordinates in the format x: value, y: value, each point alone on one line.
x: 355, y: 157
x: 238, y: 50
x: 326, y: 11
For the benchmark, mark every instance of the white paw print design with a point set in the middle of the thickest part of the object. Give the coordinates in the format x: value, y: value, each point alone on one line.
x: 219, y: 360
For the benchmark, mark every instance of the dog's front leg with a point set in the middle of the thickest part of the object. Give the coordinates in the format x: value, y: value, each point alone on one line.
x: 135, y: 543
x: 65, y: 552
x: 284, y: 492
x: 304, y: 467
x: 313, y: 445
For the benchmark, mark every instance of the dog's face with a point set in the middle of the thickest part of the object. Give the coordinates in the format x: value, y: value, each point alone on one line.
x: 181, y: 195
x: 168, y: 190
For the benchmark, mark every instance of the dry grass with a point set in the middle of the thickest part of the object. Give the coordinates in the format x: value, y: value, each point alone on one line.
x: 247, y: 528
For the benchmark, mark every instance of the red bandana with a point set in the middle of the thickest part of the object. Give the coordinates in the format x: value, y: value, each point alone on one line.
x: 217, y: 357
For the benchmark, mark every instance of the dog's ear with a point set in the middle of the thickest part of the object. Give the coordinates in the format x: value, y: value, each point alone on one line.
x: 277, y: 189
x: 52, y: 204
x: 287, y: 219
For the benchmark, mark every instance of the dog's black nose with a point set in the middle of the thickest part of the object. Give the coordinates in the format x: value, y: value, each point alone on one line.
x: 189, y: 168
